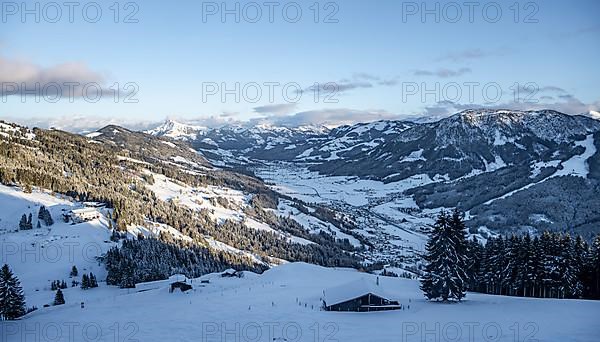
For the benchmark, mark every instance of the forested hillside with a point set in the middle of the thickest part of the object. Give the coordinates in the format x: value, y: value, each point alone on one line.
x: 117, y: 170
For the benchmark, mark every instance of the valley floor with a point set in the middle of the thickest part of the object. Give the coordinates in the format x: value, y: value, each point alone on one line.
x: 384, y: 215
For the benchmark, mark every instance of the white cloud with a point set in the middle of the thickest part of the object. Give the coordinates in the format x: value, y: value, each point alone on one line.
x: 276, y: 109
x: 17, y: 76
x: 81, y: 123
x: 329, y: 117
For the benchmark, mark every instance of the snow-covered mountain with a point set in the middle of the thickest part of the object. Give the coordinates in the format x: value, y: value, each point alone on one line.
x: 269, y: 142
x: 176, y: 130
x: 467, y: 142
x: 470, y: 141
x: 478, y: 160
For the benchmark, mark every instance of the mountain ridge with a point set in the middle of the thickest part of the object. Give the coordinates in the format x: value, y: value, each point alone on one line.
x: 480, y: 160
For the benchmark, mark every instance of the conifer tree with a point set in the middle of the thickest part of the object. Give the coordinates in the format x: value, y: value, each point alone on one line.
x: 511, y: 267
x: 595, y: 262
x: 74, y: 271
x: 549, y: 264
x: 487, y: 268
x: 45, y: 216
x: 570, y: 284
x: 59, y: 298
x: 445, y: 277
x: 41, y: 213
x: 92, y: 282
x: 537, y: 264
x: 23, y: 222
x: 474, y: 264
x: 12, y: 300
x: 85, y: 282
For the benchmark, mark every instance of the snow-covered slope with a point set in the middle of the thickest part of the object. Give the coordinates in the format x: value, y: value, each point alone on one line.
x: 222, y: 203
x: 283, y: 304
x: 42, y: 255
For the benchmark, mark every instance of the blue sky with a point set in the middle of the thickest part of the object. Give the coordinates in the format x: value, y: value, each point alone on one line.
x: 372, y: 56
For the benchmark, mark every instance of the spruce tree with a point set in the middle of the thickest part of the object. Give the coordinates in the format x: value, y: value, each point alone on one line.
x: 445, y: 277
x: 474, y: 264
x: 93, y: 282
x: 45, y: 216
x: 12, y: 300
x: 85, y: 282
x: 511, y: 267
x: 522, y: 282
x: 595, y: 267
x: 41, y: 213
x: 549, y: 248
x: 59, y: 298
x: 23, y: 222
x: 537, y: 264
x: 487, y: 268
x: 74, y: 271
x: 570, y: 285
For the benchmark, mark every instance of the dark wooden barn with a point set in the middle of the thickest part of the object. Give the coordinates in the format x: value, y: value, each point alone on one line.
x: 231, y: 273
x: 359, y: 296
x: 182, y: 286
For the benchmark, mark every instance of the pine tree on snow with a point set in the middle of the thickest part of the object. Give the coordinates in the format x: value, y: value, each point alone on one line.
x: 59, y: 298
x: 74, y: 271
x: 85, y: 282
x: 537, y: 265
x: 23, y: 222
x: 570, y: 285
x: 445, y: 276
x: 45, y: 216
x: 92, y: 281
x: 12, y: 300
x: 474, y: 264
x: 550, y: 260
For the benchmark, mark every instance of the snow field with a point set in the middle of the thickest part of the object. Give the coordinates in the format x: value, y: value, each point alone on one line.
x: 284, y: 303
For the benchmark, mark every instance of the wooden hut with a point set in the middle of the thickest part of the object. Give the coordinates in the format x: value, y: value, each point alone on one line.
x: 359, y: 296
x: 182, y: 286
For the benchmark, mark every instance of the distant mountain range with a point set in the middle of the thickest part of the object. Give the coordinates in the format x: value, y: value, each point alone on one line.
x: 373, y: 186
x: 471, y: 141
x: 479, y: 160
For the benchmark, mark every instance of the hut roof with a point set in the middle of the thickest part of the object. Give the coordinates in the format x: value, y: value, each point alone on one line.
x: 353, y: 290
